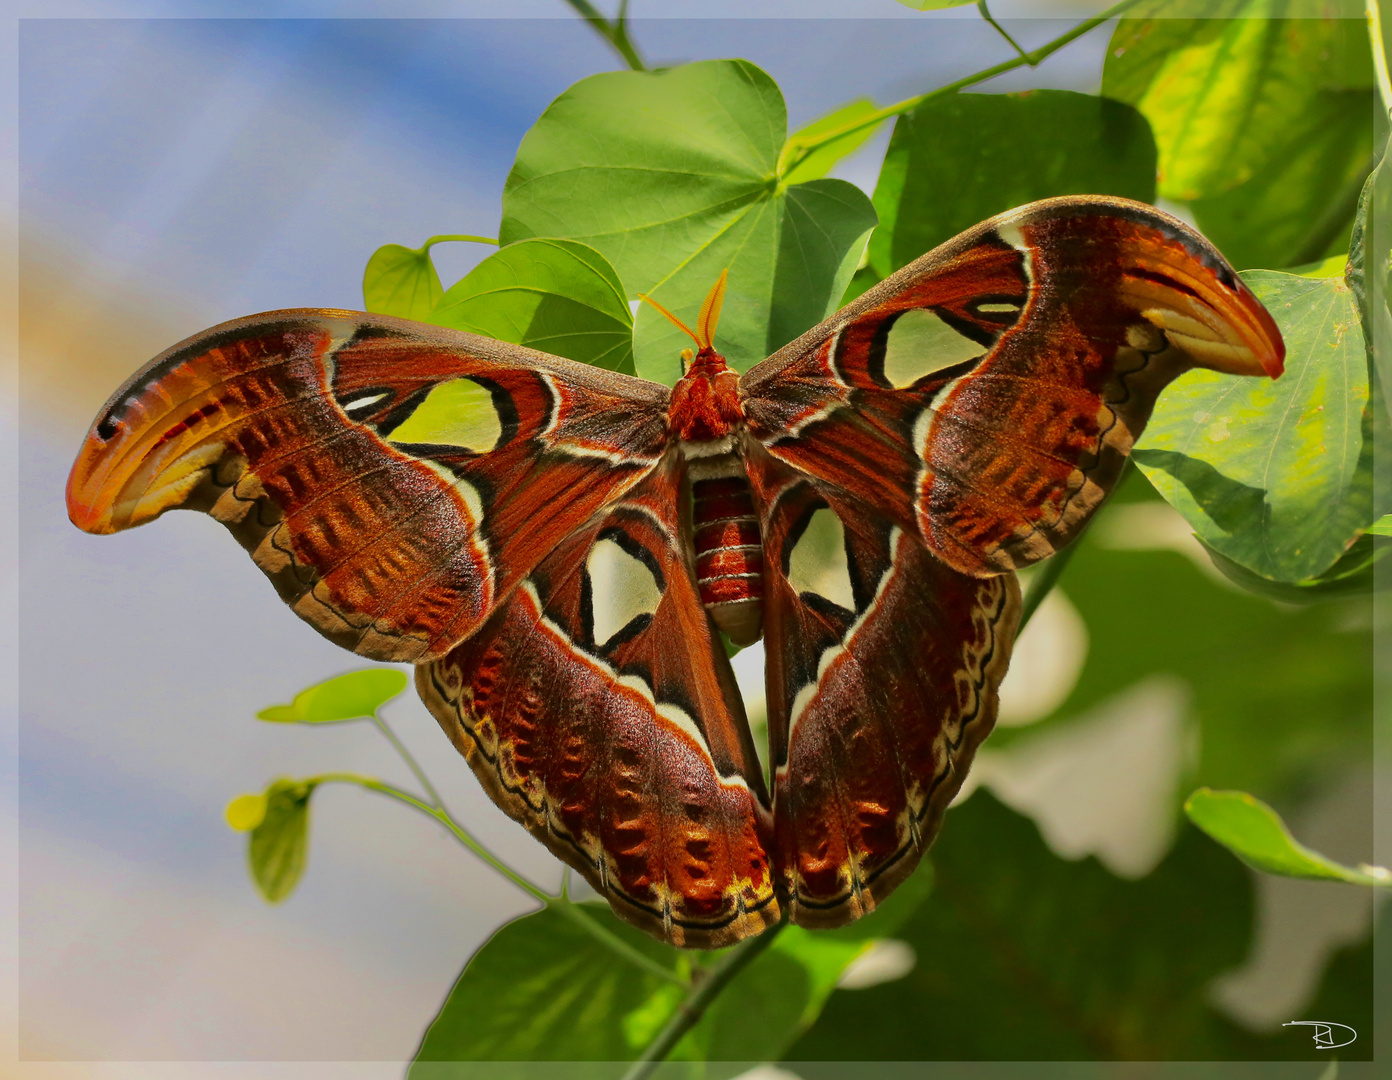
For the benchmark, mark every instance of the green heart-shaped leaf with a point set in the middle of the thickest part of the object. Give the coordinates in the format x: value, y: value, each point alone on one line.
x: 559, y: 296
x: 672, y: 175
x: 401, y: 281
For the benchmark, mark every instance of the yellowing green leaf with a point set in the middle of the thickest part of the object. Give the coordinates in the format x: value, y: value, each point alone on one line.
x: 279, y: 843
x: 1221, y: 91
x: 1275, y: 475
x: 1300, y: 204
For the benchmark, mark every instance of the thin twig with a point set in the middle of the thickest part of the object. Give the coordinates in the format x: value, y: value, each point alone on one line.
x: 571, y: 911
x: 615, y: 32
x: 1043, y: 582
x: 690, y: 1011
x: 460, y: 833
x: 577, y: 914
x: 986, y: 14
x: 411, y: 763
x: 461, y: 236
x: 796, y: 149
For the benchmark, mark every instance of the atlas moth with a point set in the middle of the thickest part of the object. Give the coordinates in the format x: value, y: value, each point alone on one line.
x: 558, y: 548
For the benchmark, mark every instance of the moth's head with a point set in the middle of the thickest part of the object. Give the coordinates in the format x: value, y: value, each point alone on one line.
x: 704, y: 334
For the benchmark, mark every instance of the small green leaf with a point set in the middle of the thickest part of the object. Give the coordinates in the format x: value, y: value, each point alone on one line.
x: 245, y: 812
x: 353, y: 696
x: 1382, y: 526
x: 401, y: 281
x: 1275, y: 475
x: 957, y: 160
x: 279, y: 844
x: 821, y: 160
x: 1255, y: 833
x: 672, y: 175
x: 559, y: 296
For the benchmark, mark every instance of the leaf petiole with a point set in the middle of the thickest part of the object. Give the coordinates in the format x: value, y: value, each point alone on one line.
x: 465, y: 237
x: 986, y: 14
x: 578, y: 915
x: 436, y: 809
x: 615, y: 32
x: 796, y: 149
x: 439, y: 814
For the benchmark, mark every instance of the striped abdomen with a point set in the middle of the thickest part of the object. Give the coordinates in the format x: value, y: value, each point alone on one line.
x: 729, y: 556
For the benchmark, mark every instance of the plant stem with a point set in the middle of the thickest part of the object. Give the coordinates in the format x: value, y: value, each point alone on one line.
x: 1043, y: 582
x: 986, y: 14
x: 411, y: 764
x: 571, y: 911
x: 461, y: 236
x: 1379, y: 47
x: 616, y: 32
x: 694, y: 1006
x: 460, y: 833
x: 795, y: 150
x: 578, y: 915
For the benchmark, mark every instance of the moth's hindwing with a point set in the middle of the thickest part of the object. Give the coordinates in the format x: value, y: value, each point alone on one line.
x: 883, y: 665
x: 985, y: 397
x: 597, y: 710
x: 392, y: 479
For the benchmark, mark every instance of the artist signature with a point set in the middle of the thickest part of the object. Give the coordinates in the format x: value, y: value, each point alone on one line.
x: 1327, y: 1035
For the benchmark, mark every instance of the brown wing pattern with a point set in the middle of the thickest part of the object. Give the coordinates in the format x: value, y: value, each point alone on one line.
x: 883, y: 665
x: 595, y: 710
x: 985, y: 397
x: 393, y: 480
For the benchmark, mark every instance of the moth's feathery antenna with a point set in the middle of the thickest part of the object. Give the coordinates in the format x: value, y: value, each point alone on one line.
x: 704, y: 334
x: 710, y: 312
